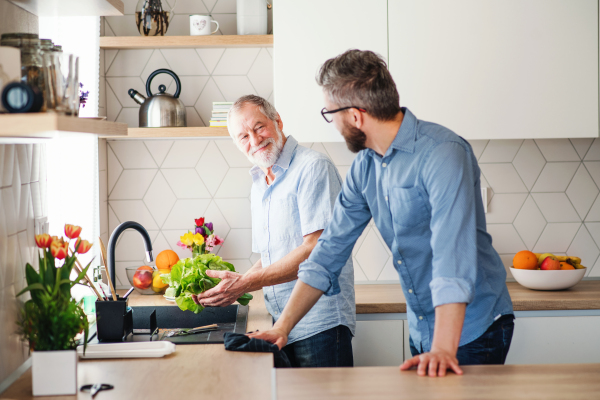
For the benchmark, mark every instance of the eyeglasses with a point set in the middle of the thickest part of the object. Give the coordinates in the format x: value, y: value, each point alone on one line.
x: 329, y: 118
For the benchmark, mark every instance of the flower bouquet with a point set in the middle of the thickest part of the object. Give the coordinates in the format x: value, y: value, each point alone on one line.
x: 202, y: 241
x: 51, y: 320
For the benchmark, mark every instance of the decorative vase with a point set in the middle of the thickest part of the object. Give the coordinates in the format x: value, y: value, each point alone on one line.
x: 54, y: 372
x: 151, y: 19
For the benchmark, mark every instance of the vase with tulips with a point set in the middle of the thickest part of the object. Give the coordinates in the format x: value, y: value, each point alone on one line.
x: 51, y: 319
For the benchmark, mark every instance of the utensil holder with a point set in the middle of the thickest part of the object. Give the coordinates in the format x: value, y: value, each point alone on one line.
x: 114, y: 320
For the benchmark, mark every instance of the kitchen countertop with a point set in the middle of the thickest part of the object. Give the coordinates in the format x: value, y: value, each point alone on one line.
x: 549, y: 381
x: 204, y: 371
x: 390, y: 299
x: 209, y: 370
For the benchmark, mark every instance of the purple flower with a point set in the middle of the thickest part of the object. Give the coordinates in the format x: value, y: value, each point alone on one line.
x: 199, y: 230
x: 209, y: 225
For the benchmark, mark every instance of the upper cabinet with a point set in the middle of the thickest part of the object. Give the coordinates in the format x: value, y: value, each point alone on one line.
x: 493, y: 69
x: 71, y: 8
x: 307, y: 33
x: 498, y: 69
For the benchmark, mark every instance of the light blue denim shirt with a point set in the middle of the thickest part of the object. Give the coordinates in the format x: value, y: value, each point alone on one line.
x: 299, y: 202
x: 425, y: 198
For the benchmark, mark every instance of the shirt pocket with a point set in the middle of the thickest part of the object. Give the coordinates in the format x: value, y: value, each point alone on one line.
x: 408, y: 207
x: 284, y: 219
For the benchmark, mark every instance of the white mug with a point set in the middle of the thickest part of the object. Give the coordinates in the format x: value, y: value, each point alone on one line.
x: 200, y: 25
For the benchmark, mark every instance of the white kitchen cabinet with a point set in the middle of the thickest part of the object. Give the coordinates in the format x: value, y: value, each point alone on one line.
x: 307, y: 33
x: 498, y: 69
x: 378, y: 343
x: 555, y: 340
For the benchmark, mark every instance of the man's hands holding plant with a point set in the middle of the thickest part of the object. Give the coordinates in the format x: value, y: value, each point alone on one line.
x: 231, y: 287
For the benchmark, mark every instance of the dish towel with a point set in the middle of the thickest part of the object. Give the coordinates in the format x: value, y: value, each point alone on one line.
x: 240, y: 342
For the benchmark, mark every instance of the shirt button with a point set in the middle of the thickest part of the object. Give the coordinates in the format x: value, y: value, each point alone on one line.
x: 421, y: 317
x: 386, y: 198
x: 384, y: 165
x: 409, y: 290
x: 399, y: 262
x: 265, y: 228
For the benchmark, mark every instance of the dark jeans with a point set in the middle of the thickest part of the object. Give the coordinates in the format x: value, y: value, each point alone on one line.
x: 489, y: 348
x: 330, y: 348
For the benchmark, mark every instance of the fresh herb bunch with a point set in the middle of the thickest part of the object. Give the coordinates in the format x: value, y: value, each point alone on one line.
x: 52, y: 319
x: 188, y: 277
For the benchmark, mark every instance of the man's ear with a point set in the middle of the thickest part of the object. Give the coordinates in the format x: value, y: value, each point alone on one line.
x: 279, y: 123
x: 358, y: 117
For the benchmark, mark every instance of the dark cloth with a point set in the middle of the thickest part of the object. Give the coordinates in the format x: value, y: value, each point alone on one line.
x: 490, y: 348
x: 240, y: 342
x: 330, y: 348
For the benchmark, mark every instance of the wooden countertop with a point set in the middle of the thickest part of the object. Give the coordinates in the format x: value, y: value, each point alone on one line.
x: 550, y: 381
x: 204, y: 371
x: 390, y: 299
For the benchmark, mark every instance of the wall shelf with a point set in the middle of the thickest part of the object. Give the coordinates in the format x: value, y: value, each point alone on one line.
x: 48, y: 126
x: 183, y: 42
x: 186, y: 132
x: 72, y: 8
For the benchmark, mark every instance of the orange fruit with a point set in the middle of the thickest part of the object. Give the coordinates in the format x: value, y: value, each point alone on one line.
x: 166, y: 259
x: 564, y: 265
x: 145, y: 267
x: 525, y: 259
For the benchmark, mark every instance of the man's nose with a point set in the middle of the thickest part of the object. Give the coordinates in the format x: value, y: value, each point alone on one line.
x: 255, y: 140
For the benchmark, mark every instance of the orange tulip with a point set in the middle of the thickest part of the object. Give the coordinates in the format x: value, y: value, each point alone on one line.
x: 43, y: 241
x: 59, y: 248
x: 72, y: 231
x: 82, y: 246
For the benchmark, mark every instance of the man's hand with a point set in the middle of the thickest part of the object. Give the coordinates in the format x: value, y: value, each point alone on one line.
x: 435, y: 363
x: 231, y: 287
x: 274, y: 335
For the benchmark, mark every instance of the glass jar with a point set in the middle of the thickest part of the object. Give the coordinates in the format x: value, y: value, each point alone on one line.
x: 151, y: 19
x: 46, y: 45
x: 31, y: 58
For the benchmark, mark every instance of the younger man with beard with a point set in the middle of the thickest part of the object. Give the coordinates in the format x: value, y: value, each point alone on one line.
x: 293, y: 193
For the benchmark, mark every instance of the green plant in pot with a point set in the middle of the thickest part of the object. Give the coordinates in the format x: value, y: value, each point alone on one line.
x: 51, y: 320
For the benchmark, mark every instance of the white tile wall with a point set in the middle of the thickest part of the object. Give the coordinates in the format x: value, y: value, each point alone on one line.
x: 167, y: 199
x: 22, y: 170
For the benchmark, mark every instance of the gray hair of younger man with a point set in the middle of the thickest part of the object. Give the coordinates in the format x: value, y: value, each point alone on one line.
x: 360, y: 79
x: 263, y: 105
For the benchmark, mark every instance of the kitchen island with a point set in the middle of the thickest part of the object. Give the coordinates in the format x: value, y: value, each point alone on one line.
x: 209, y: 371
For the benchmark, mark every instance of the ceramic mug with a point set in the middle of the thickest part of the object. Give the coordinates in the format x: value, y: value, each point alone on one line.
x: 200, y: 25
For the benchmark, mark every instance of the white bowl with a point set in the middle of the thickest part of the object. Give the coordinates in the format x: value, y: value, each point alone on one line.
x: 538, y: 279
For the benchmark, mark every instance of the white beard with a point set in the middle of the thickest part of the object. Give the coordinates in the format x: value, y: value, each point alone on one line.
x: 268, y: 157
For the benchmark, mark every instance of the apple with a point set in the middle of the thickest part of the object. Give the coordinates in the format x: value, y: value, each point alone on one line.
x: 550, y: 263
x: 142, y: 279
x: 542, y: 257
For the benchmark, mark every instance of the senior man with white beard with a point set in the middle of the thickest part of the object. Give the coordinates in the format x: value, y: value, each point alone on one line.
x: 293, y: 193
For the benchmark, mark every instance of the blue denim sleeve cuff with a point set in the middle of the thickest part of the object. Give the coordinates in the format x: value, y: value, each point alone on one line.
x: 451, y: 290
x: 318, y: 277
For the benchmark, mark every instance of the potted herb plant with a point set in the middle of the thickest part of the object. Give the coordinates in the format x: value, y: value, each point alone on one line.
x: 51, y: 320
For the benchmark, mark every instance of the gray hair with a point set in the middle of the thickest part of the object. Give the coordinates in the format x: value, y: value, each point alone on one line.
x: 263, y: 105
x: 360, y: 79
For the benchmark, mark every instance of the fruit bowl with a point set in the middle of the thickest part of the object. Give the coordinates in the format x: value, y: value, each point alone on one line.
x: 143, y: 283
x: 538, y: 279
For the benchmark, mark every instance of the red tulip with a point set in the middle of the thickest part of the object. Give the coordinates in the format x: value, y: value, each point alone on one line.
x: 72, y: 231
x: 82, y: 246
x: 43, y: 241
x: 199, y: 221
x: 59, y: 248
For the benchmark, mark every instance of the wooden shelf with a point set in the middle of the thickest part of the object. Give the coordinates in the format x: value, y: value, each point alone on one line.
x: 48, y: 126
x: 183, y: 42
x: 71, y: 8
x: 202, y: 132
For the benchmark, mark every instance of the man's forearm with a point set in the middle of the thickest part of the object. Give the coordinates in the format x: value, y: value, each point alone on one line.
x: 303, y: 298
x: 449, y: 319
x: 284, y: 270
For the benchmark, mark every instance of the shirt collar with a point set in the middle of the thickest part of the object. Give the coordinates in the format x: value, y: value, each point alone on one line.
x: 283, y: 161
x: 406, y: 136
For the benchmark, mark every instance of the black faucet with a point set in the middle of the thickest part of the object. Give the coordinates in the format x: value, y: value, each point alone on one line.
x: 112, y: 244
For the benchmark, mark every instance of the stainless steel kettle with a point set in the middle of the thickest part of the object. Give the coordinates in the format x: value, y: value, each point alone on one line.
x: 161, y: 109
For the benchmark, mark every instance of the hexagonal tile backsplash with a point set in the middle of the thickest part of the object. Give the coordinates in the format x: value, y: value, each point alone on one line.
x: 165, y: 184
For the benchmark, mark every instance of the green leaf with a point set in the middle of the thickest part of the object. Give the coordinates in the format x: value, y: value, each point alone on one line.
x: 35, y: 286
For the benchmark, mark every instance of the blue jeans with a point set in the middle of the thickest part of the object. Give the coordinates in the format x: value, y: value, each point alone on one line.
x: 489, y: 348
x: 330, y: 348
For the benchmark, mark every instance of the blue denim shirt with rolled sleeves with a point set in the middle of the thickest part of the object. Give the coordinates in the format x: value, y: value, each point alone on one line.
x: 424, y: 196
x: 299, y: 202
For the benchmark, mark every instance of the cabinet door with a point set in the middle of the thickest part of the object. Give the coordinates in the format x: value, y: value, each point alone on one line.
x: 498, y: 69
x: 306, y: 34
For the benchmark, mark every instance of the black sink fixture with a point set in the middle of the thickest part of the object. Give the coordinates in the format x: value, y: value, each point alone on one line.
x: 232, y: 318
